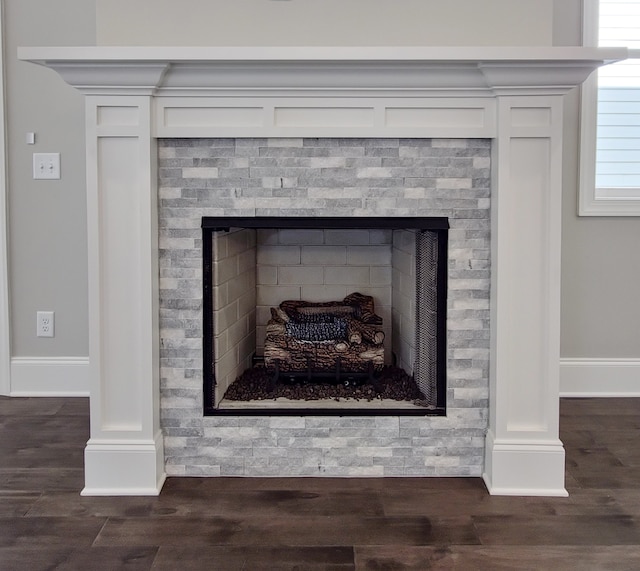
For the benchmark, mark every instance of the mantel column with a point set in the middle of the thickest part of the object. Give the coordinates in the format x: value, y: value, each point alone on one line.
x: 523, y: 454
x: 124, y: 455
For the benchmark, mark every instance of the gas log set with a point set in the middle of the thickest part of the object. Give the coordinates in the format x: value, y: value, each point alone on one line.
x: 330, y: 350
x: 332, y: 337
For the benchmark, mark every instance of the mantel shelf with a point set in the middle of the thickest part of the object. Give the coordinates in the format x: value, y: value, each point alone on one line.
x: 463, y: 71
x: 105, y: 54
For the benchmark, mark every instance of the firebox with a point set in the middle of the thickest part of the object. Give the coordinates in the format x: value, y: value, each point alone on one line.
x: 319, y: 314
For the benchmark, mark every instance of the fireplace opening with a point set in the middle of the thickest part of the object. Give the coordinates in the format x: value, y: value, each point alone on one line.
x: 319, y: 315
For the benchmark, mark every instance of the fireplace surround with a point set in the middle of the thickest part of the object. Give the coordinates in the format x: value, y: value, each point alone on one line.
x: 512, y: 96
x: 347, y: 218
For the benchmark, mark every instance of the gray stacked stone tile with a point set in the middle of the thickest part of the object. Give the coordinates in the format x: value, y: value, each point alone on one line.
x: 324, y: 177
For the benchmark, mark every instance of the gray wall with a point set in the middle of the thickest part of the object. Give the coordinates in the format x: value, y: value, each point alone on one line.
x: 600, y: 255
x: 47, y: 219
x: 324, y: 22
x: 47, y: 252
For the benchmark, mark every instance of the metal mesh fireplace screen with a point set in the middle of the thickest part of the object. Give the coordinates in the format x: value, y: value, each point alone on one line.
x: 426, y: 363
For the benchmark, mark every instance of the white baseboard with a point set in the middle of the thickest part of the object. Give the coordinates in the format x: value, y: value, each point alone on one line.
x: 600, y: 377
x: 49, y: 377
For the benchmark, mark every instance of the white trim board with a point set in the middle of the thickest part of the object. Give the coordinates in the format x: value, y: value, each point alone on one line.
x: 49, y: 377
x: 600, y: 377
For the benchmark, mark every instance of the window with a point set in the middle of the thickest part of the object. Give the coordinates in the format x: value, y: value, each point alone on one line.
x: 610, y: 123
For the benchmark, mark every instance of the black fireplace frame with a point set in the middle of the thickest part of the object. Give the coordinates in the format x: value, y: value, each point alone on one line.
x: 211, y: 224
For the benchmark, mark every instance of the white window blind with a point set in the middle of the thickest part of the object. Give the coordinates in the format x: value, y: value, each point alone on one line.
x: 610, y: 123
x: 618, y: 122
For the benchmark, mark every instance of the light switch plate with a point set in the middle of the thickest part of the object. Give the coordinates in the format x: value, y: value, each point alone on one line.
x: 46, y: 166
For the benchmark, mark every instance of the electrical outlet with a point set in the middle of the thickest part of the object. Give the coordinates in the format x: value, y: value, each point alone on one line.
x: 45, y: 324
x: 46, y: 166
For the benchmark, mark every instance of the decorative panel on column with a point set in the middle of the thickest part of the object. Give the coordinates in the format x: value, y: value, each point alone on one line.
x: 523, y: 454
x: 123, y: 299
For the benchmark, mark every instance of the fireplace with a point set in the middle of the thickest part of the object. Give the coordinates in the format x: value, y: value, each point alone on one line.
x: 142, y: 422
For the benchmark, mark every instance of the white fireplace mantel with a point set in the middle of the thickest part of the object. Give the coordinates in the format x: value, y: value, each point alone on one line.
x: 510, y: 95
x: 464, y: 71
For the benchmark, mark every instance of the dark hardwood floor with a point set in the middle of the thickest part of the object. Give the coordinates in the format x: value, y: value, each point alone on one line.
x: 334, y: 524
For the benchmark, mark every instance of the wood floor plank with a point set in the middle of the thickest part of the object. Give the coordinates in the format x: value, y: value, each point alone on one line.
x: 211, y: 486
x: 17, y: 504
x: 41, y: 479
x: 450, y: 503
x: 558, y: 530
x: 273, y: 503
x: 287, y: 531
x: 497, y: 558
x: 49, y: 531
x: 72, y: 504
x: 255, y: 558
x: 21, y: 407
x: 588, y: 408
x: 589, y: 459
x: 77, y: 559
x: 603, y: 422
x: 620, y: 477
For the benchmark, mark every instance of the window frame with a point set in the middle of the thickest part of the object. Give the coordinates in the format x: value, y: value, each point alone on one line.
x: 589, y: 204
